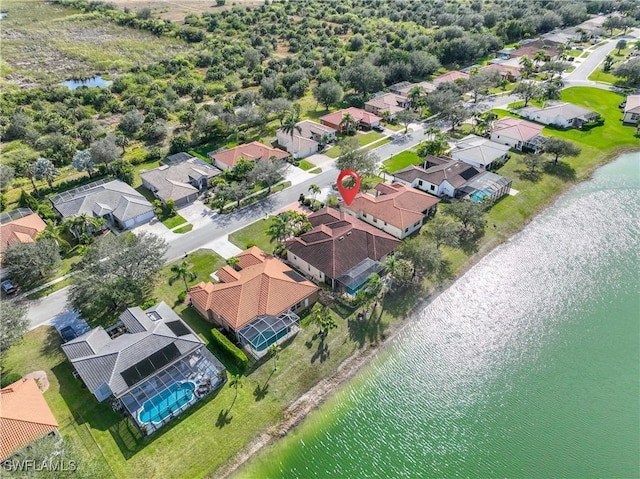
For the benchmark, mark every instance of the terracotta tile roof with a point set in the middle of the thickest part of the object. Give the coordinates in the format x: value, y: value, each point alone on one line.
x: 516, y: 128
x: 338, y: 242
x: 22, y: 230
x: 251, y: 151
x: 263, y: 286
x: 24, y: 416
x: 360, y: 115
x: 504, y: 70
x: 396, y: 204
x: 389, y: 102
x: 450, y: 77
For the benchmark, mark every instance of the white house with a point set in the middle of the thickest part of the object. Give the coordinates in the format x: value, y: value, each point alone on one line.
x: 444, y: 179
x: 306, y: 138
x: 563, y: 115
x: 395, y: 209
x: 477, y: 151
x: 517, y: 134
x: 632, y: 110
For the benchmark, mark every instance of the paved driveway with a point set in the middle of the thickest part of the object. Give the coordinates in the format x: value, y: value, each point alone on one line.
x: 197, y: 213
x: 154, y: 226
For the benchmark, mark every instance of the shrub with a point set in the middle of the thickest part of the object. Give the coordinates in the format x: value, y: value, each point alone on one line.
x: 9, y: 378
x: 231, y: 350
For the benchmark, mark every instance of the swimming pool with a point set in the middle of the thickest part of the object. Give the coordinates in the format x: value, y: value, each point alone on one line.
x: 164, y: 403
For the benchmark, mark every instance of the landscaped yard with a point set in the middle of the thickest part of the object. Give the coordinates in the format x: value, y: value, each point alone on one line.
x: 306, y: 165
x: 255, y: 234
x: 333, y: 152
x: 173, y: 221
x: 402, y: 160
x: 369, y: 137
x: 378, y: 143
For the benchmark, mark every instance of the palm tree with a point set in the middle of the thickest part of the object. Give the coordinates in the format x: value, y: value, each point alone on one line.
x: 540, y: 57
x: 416, y: 95
x: 314, y: 190
x: 44, y: 169
x: 278, y: 229
x: 81, y: 226
x: 323, y: 318
x: 274, y: 350
x: 54, y: 232
x: 181, y: 271
x: 433, y: 131
x: 235, y: 382
x: 527, y: 66
x: 233, y: 261
x: 384, y: 170
x: 290, y: 125
x: 485, y: 122
x: 348, y: 123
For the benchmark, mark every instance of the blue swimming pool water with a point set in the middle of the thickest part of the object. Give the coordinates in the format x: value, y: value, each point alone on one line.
x: 164, y: 403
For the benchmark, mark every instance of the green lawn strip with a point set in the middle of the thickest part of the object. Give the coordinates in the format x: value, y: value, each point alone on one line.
x: 315, y: 171
x: 369, y: 137
x: 393, y: 127
x: 600, y: 75
x: 199, y: 155
x: 333, y: 152
x: 184, y: 229
x: 50, y: 289
x: 378, y: 143
x: 255, y: 234
x: 173, y: 221
x: 402, y: 160
x: 306, y: 165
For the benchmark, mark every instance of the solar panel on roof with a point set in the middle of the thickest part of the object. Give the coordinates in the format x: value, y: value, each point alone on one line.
x: 178, y: 328
x: 149, y: 365
x: 294, y: 276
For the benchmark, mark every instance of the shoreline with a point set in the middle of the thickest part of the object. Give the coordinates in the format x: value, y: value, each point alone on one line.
x: 312, y: 399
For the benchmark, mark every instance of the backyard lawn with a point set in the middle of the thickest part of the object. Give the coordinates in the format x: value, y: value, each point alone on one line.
x: 173, y: 221
x: 402, y: 160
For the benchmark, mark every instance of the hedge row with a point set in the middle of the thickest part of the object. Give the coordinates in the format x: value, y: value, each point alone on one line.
x: 231, y: 350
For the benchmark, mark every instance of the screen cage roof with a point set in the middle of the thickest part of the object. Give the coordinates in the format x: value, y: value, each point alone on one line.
x: 266, y: 330
x: 358, y: 275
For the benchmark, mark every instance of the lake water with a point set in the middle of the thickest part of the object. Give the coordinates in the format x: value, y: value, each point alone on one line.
x: 528, y: 366
x: 88, y: 82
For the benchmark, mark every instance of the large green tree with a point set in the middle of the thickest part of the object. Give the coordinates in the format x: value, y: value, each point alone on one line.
x: 558, y: 147
x: 328, y: 93
x: 117, y: 272
x: 13, y: 318
x: 32, y: 263
x: 363, y: 77
x: 352, y: 157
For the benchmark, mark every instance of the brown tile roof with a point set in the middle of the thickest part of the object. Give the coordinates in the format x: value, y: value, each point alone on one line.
x: 22, y: 230
x: 531, y: 48
x: 24, y: 416
x: 389, y: 102
x: 338, y: 242
x: 251, y: 151
x: 516, y: 129
x: 263, y: 286
x: 450, y: 77
x: 396, y: 204
x: 360, y: 115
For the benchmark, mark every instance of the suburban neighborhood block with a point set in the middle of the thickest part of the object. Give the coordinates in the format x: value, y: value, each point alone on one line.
x: 254, y: 151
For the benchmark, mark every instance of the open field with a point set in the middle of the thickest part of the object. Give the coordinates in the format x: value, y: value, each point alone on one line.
x: 177, y: 10
x: 46, y: 43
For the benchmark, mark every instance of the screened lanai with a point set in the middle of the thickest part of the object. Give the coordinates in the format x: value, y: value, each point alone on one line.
x: 172, y: 390
x: 351, y: 281
x: 266, y: 330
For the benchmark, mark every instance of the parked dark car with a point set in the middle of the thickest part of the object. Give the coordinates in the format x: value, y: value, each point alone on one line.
x: 8, y: 287
x: 68, y: 333
x: 379, y: 128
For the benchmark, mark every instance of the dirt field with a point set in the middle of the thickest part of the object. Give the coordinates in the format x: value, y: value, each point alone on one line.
x: 176, y: 11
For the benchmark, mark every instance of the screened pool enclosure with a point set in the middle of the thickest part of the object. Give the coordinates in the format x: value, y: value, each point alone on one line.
x: 266, y: 330
x: 172, y: 390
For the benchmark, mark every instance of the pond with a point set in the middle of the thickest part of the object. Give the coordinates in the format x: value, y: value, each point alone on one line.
x: 96, y: 81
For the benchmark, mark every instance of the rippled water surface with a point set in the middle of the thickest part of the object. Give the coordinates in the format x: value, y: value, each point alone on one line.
x: 528, y: 366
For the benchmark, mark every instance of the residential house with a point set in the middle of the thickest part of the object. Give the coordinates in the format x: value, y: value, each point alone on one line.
x: 563, y: 115
x: 480, y: 152
x: 364, y: 119
x: 632, y: 110
x: 254, y: 151
x: 387, y: 104
x: 531, y: 47
x: 403, y: 88
x: 451, y: 76
x: 257, y: 300
x: 396, y: 208
x: 518, y: 134
x: 486, y: 185
x: 179, y: 180
x: 113, y: 200
x: 19, y: 226
x: 24, y: 417
x: 150, y: 365
x: 340, y: 250
x: 443, y: 179
x: 508, y: 72
x: 306, y: 138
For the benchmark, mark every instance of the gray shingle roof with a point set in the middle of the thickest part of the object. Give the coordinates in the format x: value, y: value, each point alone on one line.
x: 100, y: 198
x: 172, y: 182
x: 101, y: 360
x: 455, y: 172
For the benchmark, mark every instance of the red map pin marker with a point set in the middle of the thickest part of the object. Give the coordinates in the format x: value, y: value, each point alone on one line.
x: 348, y: 193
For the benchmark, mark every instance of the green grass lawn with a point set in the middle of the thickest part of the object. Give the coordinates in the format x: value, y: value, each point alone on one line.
x: 369, y: 137
x: 333, y: 152
x: 394, y: 127
x: 378, y: 143
x: 315, y: 171
x: 184, y: 229
x: 256, y: 234
x: 605, y: 77
x: 402, y: 160
x: 306, y: 165
x: 173, y: 221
